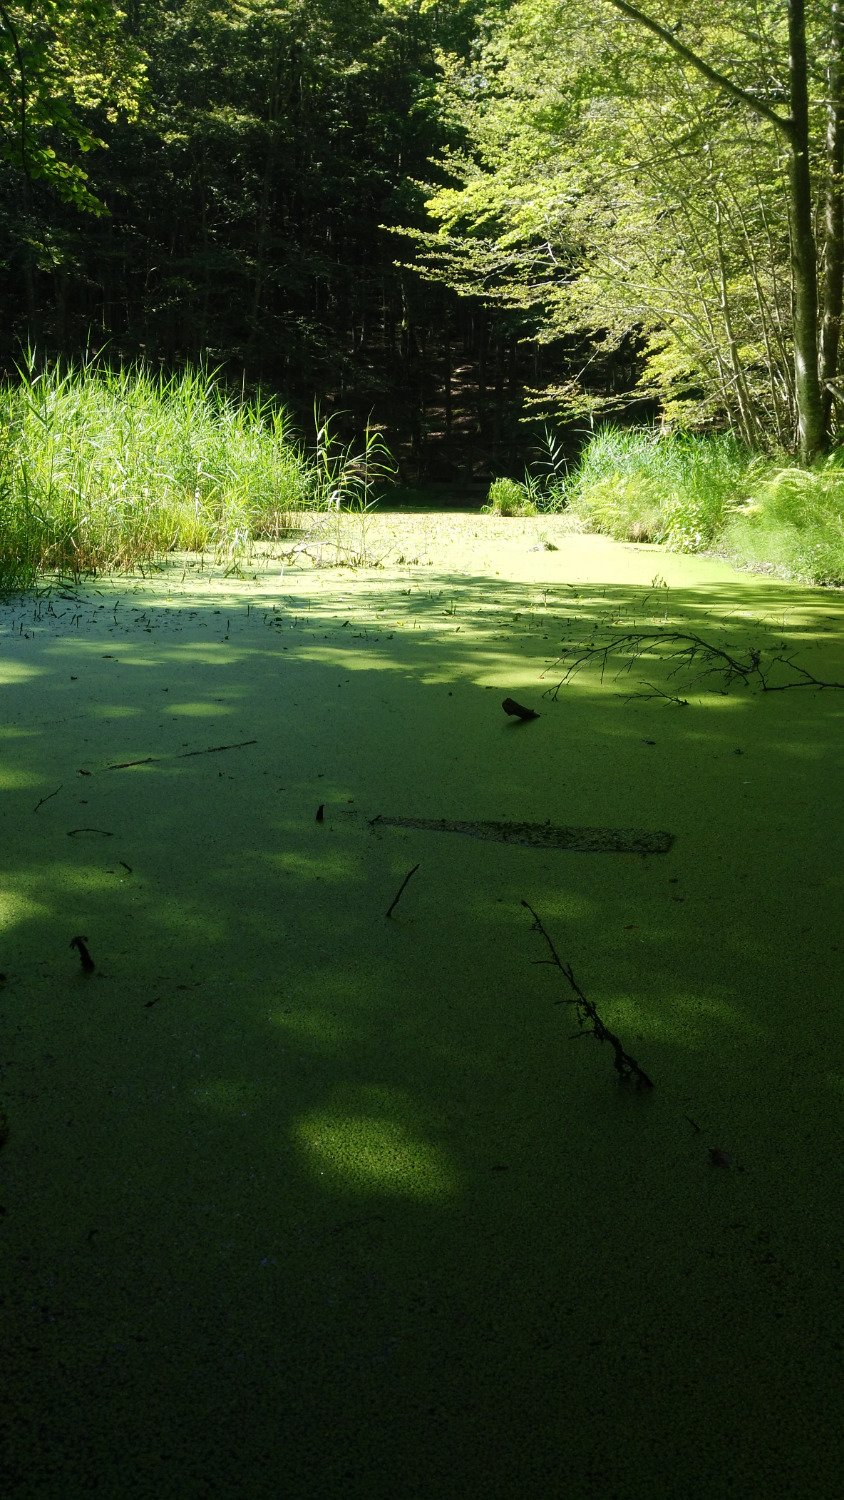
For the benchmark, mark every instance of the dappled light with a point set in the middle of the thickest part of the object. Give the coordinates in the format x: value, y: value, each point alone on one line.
x: 278, y: 1021
x: 421, y: 707
x: 369, y: 1155
x: 685, y: 1020
x: 314, y: 1026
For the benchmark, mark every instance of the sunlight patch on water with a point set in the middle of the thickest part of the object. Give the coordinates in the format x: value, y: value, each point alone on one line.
x: 11, y: 780
x: 376, y: 1154
x: 197, y: 709
x: 326, y: 864
x: 16, y: 907
x: 113, y: 711
x: 310, y: 1026
x: 685, y: 1020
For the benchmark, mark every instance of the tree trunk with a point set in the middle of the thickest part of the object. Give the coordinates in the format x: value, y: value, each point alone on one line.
x: 812, y: 427
x: 833, y: 249
x: 810, y: 416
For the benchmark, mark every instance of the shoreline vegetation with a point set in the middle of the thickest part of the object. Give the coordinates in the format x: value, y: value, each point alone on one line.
x: 694, y: 493
x: 105, y: 470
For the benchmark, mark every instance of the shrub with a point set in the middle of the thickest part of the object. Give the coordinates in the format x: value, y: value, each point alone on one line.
x: 794, y: 524
x: 509, y: 498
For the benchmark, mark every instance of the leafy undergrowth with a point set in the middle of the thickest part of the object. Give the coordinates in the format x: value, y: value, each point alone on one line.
x: 103, y: 470
x: 794, y: 524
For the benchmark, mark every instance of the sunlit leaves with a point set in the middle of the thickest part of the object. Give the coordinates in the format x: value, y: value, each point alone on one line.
x: 615, y: 189
x: 67, y: 68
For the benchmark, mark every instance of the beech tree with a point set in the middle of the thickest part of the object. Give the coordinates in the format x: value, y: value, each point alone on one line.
x: 815, y: 365
x: 675, y: 177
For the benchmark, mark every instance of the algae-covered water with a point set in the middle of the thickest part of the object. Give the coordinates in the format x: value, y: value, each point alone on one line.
x: 304, y: 1201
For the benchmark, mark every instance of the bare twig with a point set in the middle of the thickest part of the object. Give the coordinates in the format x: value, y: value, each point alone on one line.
x: 47, y: 798
x: 149, y: 760
x: 395, y: 901
x: 625, y: 1065
x: 689, y: 651
x: 656, y: 692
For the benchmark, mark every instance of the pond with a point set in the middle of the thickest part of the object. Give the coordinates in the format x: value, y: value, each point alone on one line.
x: 301, y: 1198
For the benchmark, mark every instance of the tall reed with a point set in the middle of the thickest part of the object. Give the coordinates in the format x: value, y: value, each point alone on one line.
x: 104, y: 469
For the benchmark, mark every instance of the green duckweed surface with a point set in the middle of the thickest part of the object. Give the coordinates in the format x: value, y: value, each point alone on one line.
x: 300, y: 1201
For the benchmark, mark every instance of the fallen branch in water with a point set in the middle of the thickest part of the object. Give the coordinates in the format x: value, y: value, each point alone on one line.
x: 150, y: 760
x: 587, y: 1015
x: 395, y: 901
x: 48, y: 798
x: 692, y: 651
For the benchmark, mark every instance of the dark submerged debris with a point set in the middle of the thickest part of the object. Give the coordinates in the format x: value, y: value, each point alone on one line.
x: 518, y: 711
x: 81, y: 944
x: 543, y: 835
x: 719, y: 1158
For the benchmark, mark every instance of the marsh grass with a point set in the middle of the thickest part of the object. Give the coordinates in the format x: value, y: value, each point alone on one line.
x: 104, y: 470
x: 701, y: 493
x: 677, y: 490
x: 508, y: 497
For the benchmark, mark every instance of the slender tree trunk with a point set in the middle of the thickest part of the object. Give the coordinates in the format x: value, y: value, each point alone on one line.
x: 833, y: 249
x: 811, y: 427
x: 447, y: 391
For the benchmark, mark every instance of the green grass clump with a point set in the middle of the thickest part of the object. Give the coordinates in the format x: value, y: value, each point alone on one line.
x: 507, y: 497
x: 104, y: 470
x: 642, y: 486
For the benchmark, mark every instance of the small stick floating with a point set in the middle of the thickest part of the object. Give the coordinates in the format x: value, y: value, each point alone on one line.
x: 395, y: 901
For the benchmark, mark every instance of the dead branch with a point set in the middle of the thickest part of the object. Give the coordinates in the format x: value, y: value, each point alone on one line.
x: 48, y: 798
x: 395, y: 901
x: 657, y: 692
x: 587, y: 1014
x: 150, y: 760
x: 692, y: 652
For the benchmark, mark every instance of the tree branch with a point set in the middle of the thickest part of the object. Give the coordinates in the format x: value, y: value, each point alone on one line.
x: 625, y: 1065
x: 692, y: 650
x: 752, y: 101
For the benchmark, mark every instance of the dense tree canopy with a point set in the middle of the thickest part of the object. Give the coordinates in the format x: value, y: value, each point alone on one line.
x: 615, y: 194
x: 679, y: 174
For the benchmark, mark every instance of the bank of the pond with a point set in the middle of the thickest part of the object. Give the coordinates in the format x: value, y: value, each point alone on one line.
x: 302, y: 1199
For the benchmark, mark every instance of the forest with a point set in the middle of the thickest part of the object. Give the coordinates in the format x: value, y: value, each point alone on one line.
x: 421, y: 570
x: 486, y: 230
